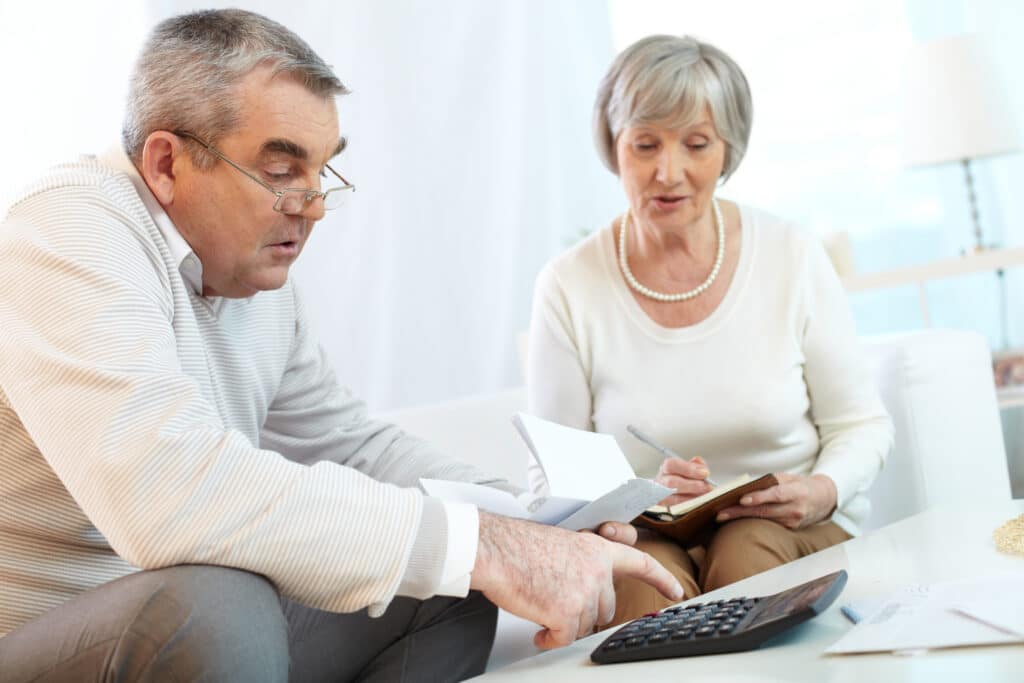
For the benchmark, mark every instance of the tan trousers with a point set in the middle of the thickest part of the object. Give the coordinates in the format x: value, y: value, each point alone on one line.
x: 737, y: 549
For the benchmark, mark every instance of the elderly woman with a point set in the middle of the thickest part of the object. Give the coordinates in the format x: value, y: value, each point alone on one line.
x: 719, y: 330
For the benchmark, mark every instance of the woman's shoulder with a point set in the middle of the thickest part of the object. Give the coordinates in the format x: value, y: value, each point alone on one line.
x: 778, y: 237
x: 585, y: 260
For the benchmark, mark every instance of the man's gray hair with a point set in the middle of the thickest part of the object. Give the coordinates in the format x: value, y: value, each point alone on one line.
x: 188, y: 72
x: 669, y: 80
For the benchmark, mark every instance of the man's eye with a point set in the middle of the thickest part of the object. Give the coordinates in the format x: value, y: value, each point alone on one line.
x: 279, y: 176
x: 645, y: 146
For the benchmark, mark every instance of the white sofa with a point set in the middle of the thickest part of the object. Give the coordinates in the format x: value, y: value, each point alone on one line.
x: 936, y: 384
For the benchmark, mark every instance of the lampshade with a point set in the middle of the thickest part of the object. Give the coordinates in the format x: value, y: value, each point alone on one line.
x: 955, y: 108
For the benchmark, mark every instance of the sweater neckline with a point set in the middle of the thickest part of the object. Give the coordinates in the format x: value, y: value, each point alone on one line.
x: 710, y: 324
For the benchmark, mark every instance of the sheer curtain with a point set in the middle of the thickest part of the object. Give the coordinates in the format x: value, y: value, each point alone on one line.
x: 470, y: 148
x: 66, y: 69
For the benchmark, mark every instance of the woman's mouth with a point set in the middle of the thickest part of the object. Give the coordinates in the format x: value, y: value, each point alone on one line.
x: 667, y: 202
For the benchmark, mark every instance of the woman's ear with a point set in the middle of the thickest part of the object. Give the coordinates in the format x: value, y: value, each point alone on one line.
x: 157, y: 164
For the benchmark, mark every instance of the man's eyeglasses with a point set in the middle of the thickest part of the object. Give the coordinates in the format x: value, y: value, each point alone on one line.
x: 290, y: 200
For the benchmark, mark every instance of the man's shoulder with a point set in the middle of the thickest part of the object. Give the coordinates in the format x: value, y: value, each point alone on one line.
x: 83, y: 186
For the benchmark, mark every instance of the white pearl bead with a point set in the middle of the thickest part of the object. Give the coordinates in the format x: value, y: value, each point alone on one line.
x: 681, y: 296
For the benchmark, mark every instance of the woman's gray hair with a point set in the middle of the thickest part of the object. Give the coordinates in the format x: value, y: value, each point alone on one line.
x: 189, y: 69
x: 670, y: 79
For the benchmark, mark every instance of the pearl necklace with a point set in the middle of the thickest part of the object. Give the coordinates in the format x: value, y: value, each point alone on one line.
x: 681, y: 296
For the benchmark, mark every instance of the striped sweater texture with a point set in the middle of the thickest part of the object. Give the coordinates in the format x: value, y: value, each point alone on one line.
x: 142, y: 427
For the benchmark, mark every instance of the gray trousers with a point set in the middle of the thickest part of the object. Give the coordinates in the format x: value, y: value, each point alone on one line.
x: 203, y: 623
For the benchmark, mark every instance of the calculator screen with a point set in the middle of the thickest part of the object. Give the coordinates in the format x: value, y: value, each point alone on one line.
x: 790, y: 602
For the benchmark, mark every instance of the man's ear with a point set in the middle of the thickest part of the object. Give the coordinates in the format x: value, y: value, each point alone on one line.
x: 158, y: 164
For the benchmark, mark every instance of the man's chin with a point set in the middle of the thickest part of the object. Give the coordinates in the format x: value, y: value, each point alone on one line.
x: 243, y: 288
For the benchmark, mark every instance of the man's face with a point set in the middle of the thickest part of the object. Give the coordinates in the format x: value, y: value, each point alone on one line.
x: 286, y: 136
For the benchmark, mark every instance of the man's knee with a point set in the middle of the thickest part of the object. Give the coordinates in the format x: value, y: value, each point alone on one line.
x: 207, y: 623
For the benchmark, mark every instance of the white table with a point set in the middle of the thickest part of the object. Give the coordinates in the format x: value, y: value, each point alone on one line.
x: 938, y: 545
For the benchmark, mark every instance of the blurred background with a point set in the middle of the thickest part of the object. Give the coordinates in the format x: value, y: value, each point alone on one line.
x: 469, y: 130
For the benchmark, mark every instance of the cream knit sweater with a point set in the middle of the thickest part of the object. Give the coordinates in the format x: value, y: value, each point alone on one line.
x: 773, y: 381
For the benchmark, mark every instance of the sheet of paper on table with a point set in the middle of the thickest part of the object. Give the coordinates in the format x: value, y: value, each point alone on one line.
x: 938, y: 615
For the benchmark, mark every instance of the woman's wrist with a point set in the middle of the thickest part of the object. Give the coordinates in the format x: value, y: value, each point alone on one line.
x: 826, y: 495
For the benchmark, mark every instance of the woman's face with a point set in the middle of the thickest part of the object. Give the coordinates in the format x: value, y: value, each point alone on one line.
x: 670, y: 174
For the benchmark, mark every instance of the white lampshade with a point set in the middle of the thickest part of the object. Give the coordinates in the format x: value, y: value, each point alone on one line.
x: 955, y: 107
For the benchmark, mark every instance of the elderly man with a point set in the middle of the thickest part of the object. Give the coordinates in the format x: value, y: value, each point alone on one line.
x: 165, y: 408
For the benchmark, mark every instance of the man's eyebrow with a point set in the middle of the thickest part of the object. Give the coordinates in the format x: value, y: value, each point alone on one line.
x: 285, y: 146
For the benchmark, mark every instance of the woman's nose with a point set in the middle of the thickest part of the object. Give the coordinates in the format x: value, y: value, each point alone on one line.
x: 671, y: 166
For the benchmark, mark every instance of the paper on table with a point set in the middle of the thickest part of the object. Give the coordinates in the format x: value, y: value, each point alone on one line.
x: 577, y: 464
x: 1001, y: 605
x: 619, y: 505
x: 922, y: 617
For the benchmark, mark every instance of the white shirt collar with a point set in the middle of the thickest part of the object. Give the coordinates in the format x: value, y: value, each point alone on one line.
x: 188, y: 263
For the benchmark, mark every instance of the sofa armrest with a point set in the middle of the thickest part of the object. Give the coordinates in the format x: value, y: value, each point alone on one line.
x: 938, y: 387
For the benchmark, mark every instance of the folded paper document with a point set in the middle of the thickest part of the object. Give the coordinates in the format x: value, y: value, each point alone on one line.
x: 618, y: 505
x: 588, y: 476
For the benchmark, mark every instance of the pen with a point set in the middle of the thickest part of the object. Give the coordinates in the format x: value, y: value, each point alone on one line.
x: 661, y: 449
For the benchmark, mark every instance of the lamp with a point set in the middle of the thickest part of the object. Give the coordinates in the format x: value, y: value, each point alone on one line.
x: 956, y: 111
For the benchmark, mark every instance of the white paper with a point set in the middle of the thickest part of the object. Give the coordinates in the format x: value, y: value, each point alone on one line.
x: 578, y: 464
x: 1001, y: 605
x: 620, y: 505
x: 924, y: 617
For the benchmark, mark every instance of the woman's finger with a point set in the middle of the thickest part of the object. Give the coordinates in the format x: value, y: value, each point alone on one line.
x: 691, y: 487
x: 684, y: 468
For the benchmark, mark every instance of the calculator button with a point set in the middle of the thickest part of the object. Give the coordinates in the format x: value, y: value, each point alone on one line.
x: 702, y: 631
x: 634, y: 641
x: 726, y: 628
x: 658, y: 637
x: 613, y: 645
x: 682, y: 634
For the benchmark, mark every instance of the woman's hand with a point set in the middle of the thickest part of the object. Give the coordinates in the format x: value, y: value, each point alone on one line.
x: 797, y: 501
x: 687, y: 477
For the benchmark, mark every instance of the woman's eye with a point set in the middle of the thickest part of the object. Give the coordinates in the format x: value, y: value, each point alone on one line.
x: 645, y: 146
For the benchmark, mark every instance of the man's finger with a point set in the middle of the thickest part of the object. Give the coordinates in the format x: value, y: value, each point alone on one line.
x: 550, y: 638
x: 628, y: 561
x: 588, y: 619
x: 619, y: 532
x: 606, y: 605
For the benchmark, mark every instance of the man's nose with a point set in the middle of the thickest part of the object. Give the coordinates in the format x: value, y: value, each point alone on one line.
x: 314, y: 209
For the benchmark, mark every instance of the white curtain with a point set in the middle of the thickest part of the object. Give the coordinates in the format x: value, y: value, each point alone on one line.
x: 469, y: 145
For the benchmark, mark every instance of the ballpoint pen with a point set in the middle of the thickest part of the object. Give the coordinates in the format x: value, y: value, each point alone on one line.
x: 667, y: 452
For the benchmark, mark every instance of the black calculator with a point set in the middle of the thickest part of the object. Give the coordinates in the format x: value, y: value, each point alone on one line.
x: 709, y: 628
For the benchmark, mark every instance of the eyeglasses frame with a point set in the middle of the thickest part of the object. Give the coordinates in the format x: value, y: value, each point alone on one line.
x: 309, y: 194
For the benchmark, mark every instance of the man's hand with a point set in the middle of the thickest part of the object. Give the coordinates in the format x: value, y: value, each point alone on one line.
x: 558, y: 578
x: 797, y: 501
x: 687, y: 477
